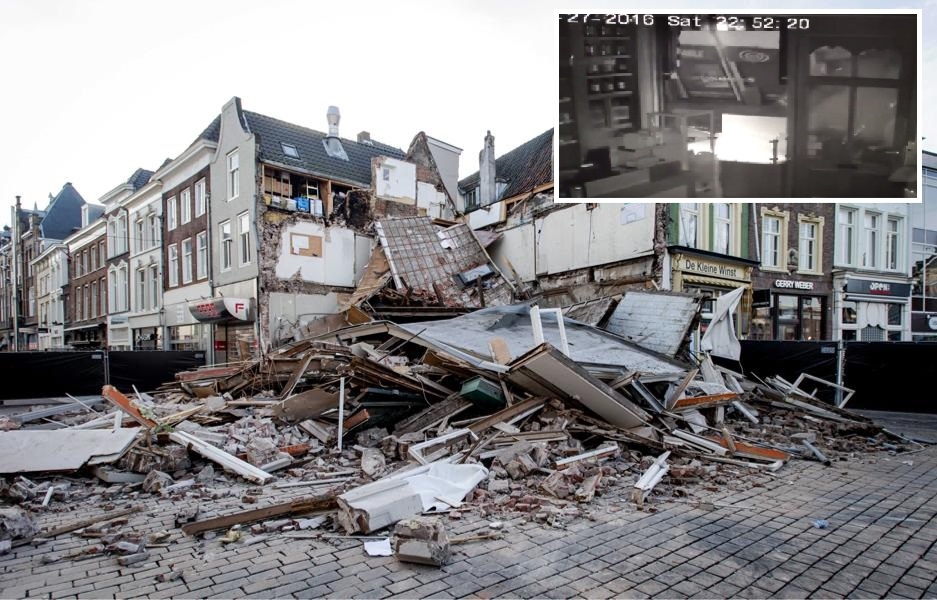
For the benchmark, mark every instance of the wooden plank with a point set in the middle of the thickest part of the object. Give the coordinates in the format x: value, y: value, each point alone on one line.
x: 298, y: 372
x: 123, y: 403
x: 681, y: 387
x: 305, y: 405
x: 705, y: 401
x: 294, y: 507
x: 602, y: 452
x: 506, y: 414
x: 75, y: 525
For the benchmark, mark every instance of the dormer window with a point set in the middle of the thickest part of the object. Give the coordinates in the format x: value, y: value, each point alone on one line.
x: 289, y: 150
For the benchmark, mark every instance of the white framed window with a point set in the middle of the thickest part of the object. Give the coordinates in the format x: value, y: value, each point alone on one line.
x: 847, y: 236
x: 153, y: 286
x: 810, y: 244
x: 244, y: 238
x: 102, y: 253
x: 152, y: 231
x: 79, y: 315
x: 187, y: 260
x: 122, y: 289
x: 201, y: 243
x: 689, y: 224
x: 226, y: 242
x: 234, y: 185
x: 121, y: 233
x: 173, y: 266
x: 892, y: 243
x: 112, y: 296
x: 771, y: 248
x: 200, y: 197
x: 139, y: 236
x: 872, y: 222
x: 722, y: 226
x: 94, y: 299
x: 171, y: 214
x: 140, y: 297
x: 185, y: 206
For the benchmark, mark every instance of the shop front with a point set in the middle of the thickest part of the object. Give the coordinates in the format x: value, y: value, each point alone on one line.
x: 872, y: 309
x: 790, y: 309
x: 711, y: 276
x: 234, y: 324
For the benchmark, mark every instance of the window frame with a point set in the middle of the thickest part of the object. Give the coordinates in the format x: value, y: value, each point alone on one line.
x: 782, y: 217
x: 171, y: 222
x: 817, y: 222
x: 685, y: 209
x: 233, y: 172
x: 186, y: 261
x: 244, y: 239
x: 185, y: 206
x: 200, y: 198
x: 173, y: 266
x: 848, y: 252
x: 872, y: 239
x: 225, y: 242
x: 201, y: 255
x: 892, y: 260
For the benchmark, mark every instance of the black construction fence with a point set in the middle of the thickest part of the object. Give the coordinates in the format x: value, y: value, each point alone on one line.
x: 54, y: 374
x: 893, y: 376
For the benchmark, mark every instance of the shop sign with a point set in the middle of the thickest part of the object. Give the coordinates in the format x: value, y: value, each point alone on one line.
x: 790, y: 284
x: 878, y: 288
x: 713, y: 269
x: 222, y: 309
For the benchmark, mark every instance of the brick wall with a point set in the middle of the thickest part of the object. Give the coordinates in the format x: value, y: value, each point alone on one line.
x: 188, y: 230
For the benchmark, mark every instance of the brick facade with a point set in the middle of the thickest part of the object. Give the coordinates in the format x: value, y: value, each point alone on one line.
x: 82, y: 308
x: 184, y: 231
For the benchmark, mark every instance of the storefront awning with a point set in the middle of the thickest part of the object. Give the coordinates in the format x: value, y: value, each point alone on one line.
x: 80, y: 327
x: 220, y: 310
x: 715, y: 281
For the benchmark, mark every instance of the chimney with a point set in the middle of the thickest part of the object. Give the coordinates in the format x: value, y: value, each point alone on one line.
x: 486, y: 172
x: 333, y: 117
x: 365, y: 138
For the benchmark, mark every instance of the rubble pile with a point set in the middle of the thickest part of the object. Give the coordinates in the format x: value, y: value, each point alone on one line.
x: 501, y: 411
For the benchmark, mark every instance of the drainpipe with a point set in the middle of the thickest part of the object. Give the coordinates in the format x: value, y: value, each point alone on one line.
x: 14, y: 211
x: 755, y: 227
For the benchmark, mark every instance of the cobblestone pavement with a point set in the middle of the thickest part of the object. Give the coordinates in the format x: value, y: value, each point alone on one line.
x: 752, y: 543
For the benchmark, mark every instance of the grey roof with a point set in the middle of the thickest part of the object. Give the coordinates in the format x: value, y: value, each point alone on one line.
x: 528, y: 166
x: 139, y: 178
x: 63, y: 214
x: 211, y: 132
x: 313, y: 158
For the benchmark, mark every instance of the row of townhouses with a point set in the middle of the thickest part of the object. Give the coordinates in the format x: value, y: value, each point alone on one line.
x: 260, y: 227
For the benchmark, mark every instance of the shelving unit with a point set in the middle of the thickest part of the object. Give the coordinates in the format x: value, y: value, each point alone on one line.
x: 570, y: 153
x: 603, y: 74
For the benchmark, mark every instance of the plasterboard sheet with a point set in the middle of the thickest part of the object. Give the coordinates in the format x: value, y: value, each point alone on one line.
x: 61, y: 449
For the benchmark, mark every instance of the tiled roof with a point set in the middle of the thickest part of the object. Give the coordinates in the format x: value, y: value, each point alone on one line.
x: 272, y: 133
x: 211, y: 132
x: 63, y: 214
x: 139, y: 178
x: 523, y: 168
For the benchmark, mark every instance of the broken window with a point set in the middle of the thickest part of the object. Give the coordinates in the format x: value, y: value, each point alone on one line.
x: 305, y: 245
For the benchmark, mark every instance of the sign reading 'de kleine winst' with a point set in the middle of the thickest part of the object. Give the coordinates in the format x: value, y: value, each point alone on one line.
x: 711, y: 268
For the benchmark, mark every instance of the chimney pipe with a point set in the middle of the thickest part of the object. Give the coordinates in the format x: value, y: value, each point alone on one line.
x: 333, y: 117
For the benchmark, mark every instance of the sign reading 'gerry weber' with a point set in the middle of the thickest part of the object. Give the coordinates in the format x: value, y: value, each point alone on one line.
x: 711, y: 268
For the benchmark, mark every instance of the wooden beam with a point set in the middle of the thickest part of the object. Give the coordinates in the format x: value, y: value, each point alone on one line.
x: 123, y: 403
x: 225, y: 459
x: 294, y: 507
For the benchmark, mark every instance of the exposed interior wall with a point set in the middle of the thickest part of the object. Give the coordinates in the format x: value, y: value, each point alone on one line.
x: 394, y: 179
x: 604, y: 233
x: 313, y: 253
x: 291, y: 312
x: 483, y: 217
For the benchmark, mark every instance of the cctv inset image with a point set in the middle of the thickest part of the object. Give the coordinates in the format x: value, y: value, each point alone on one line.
x: 738, y: 106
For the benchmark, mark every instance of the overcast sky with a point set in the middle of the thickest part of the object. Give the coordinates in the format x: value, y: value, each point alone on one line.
x: 92, y: 90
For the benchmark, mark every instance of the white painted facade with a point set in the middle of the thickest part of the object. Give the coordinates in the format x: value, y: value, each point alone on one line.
x: 871, y: 248
x: 395, y: 180
x: 485, y: 216
x: 146, y: 274
x: 51, y: 272
x: 576, y: 237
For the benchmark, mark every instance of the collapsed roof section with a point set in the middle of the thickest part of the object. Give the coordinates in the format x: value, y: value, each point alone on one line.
x: 446, y: 265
